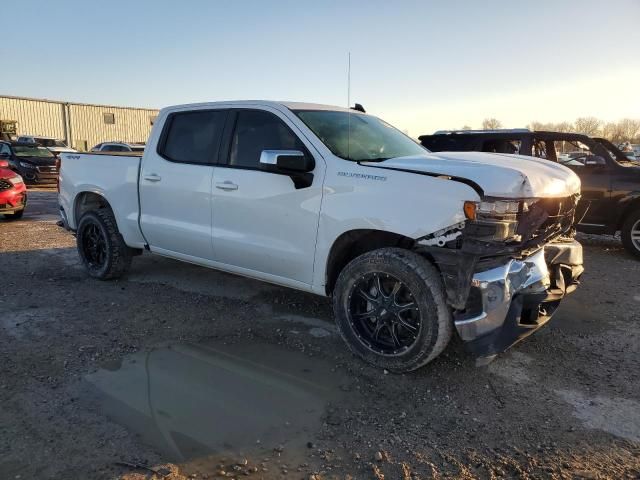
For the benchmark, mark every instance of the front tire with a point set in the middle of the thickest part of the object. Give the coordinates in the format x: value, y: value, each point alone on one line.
x: 391, y: 309
x: 101, y: 246
x: 631, y: 234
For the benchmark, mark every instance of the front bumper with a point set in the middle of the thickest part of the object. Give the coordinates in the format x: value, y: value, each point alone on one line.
x: 13, y: 200
x: 40, y: 175
x: 510, y: 302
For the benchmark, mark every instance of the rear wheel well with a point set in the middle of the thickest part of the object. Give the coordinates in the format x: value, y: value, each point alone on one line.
x: 633, y: 206
x: 86, y: 202
x: 354, y: 243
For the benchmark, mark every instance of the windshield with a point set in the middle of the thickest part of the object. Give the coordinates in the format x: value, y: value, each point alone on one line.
x: 32, y: 152
x: 359, y: 137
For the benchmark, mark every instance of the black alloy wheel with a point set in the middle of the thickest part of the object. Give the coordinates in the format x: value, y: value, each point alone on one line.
x: 384, y: 314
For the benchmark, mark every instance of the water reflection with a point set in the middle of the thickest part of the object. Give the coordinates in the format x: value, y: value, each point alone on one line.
x: 193, y: 400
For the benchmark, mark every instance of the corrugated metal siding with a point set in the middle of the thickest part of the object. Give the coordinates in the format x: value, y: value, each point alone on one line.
x: 35, y: 117
x: 86, y: 122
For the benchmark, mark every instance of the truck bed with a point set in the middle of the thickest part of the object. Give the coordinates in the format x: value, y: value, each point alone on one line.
x: 114, y: 177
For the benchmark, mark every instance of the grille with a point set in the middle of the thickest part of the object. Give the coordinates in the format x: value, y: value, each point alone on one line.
x: 547, y: 218
x: 5, y: 185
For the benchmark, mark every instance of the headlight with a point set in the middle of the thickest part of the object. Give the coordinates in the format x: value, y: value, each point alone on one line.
x: 498, y: 207
x: 17, y: 180
x: 495, y: 219
x: 27, y: 165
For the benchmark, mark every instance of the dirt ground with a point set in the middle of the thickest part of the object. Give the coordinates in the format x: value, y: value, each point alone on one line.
x: 178, y: 371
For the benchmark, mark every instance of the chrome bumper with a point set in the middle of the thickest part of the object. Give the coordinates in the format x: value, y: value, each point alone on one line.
x: 509, y: 302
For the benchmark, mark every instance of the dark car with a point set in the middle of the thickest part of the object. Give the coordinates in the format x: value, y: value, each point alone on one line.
x: 610, y: 181
x: 36, y: 164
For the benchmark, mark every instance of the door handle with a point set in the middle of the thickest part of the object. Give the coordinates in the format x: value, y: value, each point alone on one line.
x: 153, y: 177
x: 226, y: 185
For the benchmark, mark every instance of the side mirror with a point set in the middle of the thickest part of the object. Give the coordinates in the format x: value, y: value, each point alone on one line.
x: 594, y: 161
x: 4, y: 163
x: 287, y: 160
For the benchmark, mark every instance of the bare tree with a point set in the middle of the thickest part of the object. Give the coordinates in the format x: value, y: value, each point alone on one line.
x: 629, y: 128
x: 588, y: 125
x: 491, y: 124
x: 613, y: 132
x: 465, y: 127
x: 564, y: 127
x: 542, y: 126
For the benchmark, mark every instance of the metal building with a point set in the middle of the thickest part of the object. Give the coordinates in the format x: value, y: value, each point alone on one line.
x: 81, y: 125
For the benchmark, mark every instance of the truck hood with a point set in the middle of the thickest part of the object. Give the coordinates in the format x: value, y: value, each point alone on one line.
x: 498, y: 175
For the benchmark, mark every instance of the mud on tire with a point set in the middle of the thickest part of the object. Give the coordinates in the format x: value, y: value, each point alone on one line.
x: 420, y: 337
x: 101, y: 246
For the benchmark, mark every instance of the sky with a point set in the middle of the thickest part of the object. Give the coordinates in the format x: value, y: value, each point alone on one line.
x: 420, y: 65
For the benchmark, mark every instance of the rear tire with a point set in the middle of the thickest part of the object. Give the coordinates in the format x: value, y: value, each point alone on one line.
x: 101, y: 246
x: 15, y: 215
x: 631, y: 234
x: 391, y: 309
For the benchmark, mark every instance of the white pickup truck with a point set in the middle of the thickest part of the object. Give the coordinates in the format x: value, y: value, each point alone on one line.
x: 333, y: 201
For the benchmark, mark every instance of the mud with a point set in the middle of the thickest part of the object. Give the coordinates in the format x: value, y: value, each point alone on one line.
x: 195, y: 373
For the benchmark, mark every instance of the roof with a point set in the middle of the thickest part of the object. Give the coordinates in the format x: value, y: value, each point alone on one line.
x: 65, y: 102
x: 268, y: 103
x: 469, y: 132
x: 506, y: 134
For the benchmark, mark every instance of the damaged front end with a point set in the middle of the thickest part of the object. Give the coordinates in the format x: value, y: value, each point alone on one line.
x: 506, y: 268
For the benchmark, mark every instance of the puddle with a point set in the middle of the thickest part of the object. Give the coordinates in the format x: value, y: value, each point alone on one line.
x: 189, y: 401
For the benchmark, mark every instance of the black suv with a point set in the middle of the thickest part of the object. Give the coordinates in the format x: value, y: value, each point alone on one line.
x: 37, y: 165
x: 610, y: 181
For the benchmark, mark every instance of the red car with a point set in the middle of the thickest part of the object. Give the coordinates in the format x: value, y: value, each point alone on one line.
x: 13, y: 192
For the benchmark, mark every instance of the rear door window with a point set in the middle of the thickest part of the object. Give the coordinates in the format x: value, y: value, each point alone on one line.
x: 193, y: 137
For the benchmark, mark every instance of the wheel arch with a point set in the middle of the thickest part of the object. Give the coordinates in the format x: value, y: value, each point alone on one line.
x: 633, y: 204
x: 354, y: 243
x: 86, y: 201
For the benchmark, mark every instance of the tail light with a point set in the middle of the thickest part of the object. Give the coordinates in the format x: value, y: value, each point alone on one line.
x: 58, y: 165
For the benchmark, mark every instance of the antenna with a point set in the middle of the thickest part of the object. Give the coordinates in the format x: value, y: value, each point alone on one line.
x: 348, y: 104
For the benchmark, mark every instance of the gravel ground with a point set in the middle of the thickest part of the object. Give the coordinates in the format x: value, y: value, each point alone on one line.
x: 199, y: 374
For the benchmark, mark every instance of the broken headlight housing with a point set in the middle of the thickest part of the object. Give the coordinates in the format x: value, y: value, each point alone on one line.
x: 495, y: 219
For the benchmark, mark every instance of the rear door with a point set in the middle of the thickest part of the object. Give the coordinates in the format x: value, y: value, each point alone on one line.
x: 175, y: 184
x: 262, y: 221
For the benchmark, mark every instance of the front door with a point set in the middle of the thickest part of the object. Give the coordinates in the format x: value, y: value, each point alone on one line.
x: 595, y: 201
x: 175, y: 184
x: 262, y: 223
